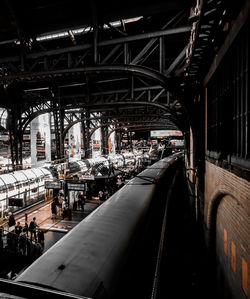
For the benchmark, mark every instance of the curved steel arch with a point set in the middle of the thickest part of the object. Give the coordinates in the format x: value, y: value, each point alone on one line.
x: 137, y: 128
x: 126, y: 68
x: 29, y: 119
x: 106, y: 117
x: 25, y: 123
x: 150, y: 123
x: 97, y: 127
x: 174, y: 120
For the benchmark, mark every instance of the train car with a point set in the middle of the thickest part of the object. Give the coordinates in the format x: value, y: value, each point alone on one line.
x: 98, y: 161
x: 88, y: 260
x: 116, y: 160
x: 82, y: 166
x: 21, y: 188
x: 129, y: 159
x: 78, y: 166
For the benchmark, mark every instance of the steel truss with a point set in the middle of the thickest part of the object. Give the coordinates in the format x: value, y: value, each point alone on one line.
x: 131, y: 74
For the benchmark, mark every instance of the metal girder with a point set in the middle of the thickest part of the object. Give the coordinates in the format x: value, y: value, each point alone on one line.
x: 211, y: 21
x: 115, y: 41
x: 237, y: 25
x: 117, y: 119
x: 133, y: 56
x: 142, y: 128
x: 62, y: 62
x: 177, y: 61
x: 46, y: 107
x: 140, y: 123
x: 93, y: 70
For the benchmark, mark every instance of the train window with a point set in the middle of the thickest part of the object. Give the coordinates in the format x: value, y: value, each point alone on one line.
x: 10, y: 187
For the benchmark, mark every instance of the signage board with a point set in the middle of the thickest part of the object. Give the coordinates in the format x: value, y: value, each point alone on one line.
x: 76, y: 187
x: 88, y: 178
x: 165, y: 133
x: 53, y: 185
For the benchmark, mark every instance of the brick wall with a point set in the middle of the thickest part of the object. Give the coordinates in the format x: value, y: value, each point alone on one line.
x: 227, y: 210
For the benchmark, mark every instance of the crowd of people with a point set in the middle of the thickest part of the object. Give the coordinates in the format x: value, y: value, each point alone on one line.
x: 20, y: 238
x: 60, y: 207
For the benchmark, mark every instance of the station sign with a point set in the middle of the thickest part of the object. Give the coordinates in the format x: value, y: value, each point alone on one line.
x: 165, y: 133
x: 88, y: 177
x: 76, y: 187
x: 53, y: 185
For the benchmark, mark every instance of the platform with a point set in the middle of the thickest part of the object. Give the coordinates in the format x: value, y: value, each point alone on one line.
x: 54, y: 229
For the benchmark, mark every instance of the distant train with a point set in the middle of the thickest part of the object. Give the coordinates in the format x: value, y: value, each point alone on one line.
x: 118, y: 161
x: 22, y: 188
x: 88, y: 260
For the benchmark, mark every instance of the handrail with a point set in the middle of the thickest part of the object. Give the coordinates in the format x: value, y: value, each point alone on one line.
x: 33, y: 291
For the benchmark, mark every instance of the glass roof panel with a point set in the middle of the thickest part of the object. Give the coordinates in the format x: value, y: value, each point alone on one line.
x: 8, y: 178
x: 20, y: 177
x: 38, y: 172
x: 30, y: 174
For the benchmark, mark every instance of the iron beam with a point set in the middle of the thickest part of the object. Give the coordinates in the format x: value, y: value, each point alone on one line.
x: 121, y: 40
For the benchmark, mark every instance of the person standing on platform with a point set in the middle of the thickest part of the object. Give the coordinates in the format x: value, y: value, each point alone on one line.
x: 81, y: 202
x: 23, y: 242
x: 11, y: 221
x: 40, y: 236
x: 59, y: 205
x: 32, y: 228
x: 18, y: 228
x: 101, y: 195
x: 26, y: 229
x: 88, y: 193
x: 53, y: 210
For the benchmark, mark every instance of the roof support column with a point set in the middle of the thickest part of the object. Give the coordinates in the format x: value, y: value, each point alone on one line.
x: 104, y: 138
x: 56, y: 130
x: 16, y: 138
x: 95, y: 31
x: 87, y: 135
x: 61, y: 119
x: 118, y: 140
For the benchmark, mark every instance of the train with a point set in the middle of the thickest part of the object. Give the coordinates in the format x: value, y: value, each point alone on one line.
x: 22, y: 188
x: 118, y: 161
x: 89, y: 260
